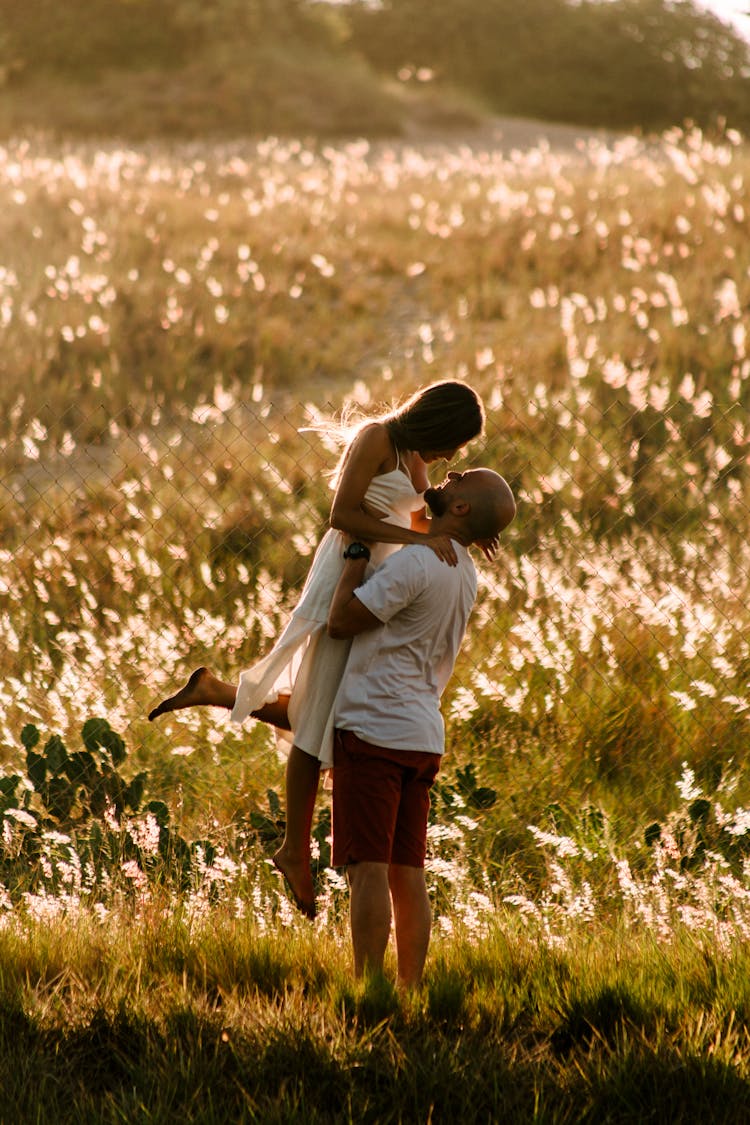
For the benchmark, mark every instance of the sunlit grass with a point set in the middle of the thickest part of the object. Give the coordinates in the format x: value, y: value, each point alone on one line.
x: 177, y: 321
x: 218, y: 1023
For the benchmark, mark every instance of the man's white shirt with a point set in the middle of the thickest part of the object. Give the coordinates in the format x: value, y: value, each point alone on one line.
x: 395, y: 675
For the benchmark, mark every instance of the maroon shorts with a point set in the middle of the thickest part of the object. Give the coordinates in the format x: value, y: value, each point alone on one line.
x: 381, y: 799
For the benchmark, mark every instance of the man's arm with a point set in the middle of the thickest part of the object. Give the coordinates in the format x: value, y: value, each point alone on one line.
x: 347, y: 616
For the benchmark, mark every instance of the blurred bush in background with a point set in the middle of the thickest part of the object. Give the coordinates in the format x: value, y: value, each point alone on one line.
x: 622, y: 64
x: 183, y: 68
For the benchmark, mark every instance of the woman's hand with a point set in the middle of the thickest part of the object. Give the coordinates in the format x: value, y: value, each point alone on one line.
x: 443, y: 547
x: 488, y: 547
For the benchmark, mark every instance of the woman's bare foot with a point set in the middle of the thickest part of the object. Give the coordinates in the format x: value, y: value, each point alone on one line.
x: 203, y: 689
x: 298, y: 878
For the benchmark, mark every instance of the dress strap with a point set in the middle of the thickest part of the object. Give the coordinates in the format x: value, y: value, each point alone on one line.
x: 405, y: 468
x: 402, y: 468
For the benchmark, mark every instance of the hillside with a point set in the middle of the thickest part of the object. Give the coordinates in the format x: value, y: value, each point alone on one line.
x: 143, y: 69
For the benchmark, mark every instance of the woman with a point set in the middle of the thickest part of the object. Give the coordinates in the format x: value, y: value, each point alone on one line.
x: 378, y: 497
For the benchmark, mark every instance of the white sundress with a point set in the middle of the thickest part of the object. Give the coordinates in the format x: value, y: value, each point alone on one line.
x: 305, y: 663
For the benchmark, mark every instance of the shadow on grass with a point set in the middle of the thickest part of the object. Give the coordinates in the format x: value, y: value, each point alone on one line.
x: 665, y: 1086
x: 367, y: 1057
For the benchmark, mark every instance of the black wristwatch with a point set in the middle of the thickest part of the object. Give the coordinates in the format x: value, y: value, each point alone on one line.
x: 357, y: 551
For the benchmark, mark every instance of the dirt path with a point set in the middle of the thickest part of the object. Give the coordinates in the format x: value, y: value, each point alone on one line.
x: 504, y: 133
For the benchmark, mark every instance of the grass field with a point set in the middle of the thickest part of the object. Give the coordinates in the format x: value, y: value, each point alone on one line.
x: 176, y: 323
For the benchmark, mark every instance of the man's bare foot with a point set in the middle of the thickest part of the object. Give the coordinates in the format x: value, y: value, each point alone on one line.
x: 201, y: 690
x: 298, y: 878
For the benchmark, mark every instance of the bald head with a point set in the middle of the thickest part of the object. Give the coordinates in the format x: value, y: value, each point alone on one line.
x: 492, y: 506
x: 478, y: 504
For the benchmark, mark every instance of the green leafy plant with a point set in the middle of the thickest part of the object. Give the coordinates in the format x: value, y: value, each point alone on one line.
x: 466, y: 790
x: 77, y: 811
x: 699, y: 829
x: 74, y: 787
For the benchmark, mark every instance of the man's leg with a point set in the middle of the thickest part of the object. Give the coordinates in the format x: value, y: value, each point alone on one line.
x: 370, y: 914
x: 411, y: 904
x: 413, y: 918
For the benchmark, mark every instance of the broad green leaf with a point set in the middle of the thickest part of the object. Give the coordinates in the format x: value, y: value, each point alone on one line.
x: 30, y: 736
x: 55, y: 753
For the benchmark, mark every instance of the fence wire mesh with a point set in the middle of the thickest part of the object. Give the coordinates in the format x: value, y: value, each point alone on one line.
x: 174, y: 323
x: 611, y: 622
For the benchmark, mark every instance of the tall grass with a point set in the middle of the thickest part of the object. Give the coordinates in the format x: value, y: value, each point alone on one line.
x: 177, y: 323
x: 173, y: 318
x: 224, y: 1024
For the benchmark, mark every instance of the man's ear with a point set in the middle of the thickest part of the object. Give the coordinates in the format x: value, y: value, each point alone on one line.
x: 460, y: 507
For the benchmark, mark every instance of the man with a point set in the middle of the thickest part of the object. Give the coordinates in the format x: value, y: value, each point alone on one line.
x: 407, y: 622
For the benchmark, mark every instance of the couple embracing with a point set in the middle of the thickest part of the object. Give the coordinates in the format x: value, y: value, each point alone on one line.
x: 356, y: 676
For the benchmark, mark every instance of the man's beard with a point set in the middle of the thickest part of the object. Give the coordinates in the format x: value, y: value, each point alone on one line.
x: 435, y: 501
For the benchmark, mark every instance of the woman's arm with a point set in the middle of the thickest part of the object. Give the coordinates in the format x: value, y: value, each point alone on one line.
x: 370, y: 454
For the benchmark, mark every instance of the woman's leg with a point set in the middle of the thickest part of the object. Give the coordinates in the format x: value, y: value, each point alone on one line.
x: 203, y: 689
x: 276, y: 714
x: 293, y: 857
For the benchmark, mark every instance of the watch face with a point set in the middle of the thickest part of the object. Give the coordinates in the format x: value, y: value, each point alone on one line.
x: 356, y: 551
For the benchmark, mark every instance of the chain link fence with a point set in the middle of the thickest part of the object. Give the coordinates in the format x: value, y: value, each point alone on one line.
x: 610, y: 628
x: 180, y: 324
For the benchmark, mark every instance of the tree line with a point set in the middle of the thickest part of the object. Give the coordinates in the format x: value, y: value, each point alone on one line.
x: 623, y: 63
